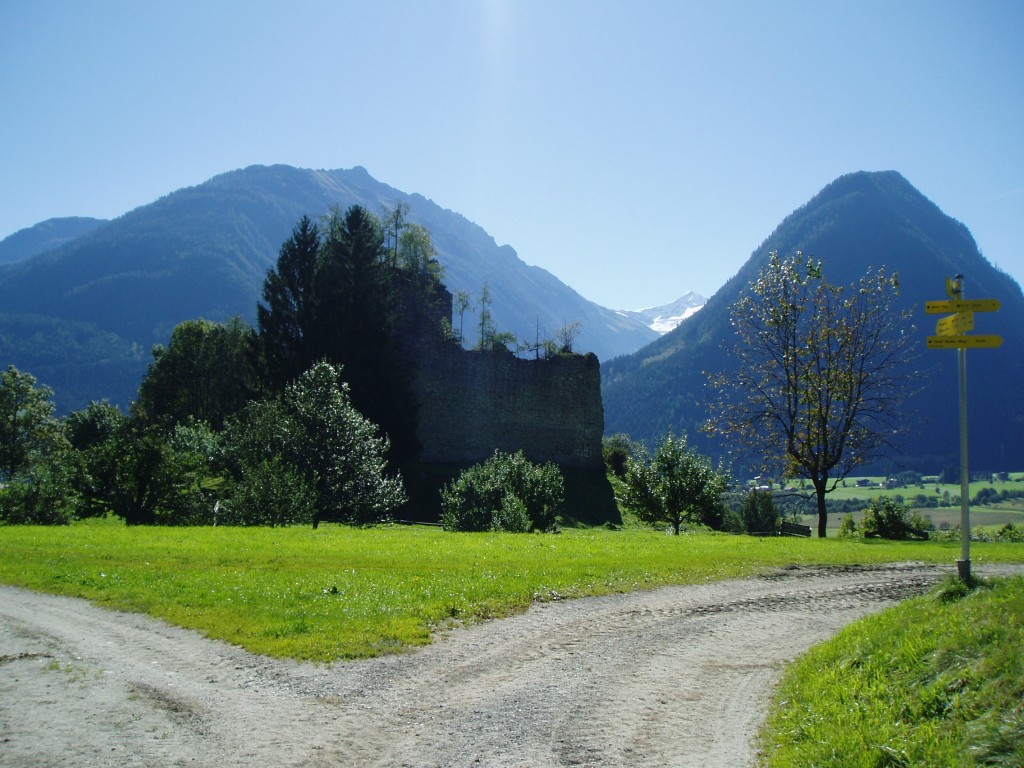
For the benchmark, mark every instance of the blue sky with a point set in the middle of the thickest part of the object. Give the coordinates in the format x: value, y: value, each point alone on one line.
x: 637, y: 150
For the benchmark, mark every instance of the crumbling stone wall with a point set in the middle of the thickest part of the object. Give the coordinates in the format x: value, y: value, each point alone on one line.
x: 472, y: 403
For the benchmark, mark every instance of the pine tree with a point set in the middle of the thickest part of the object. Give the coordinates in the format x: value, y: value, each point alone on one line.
x: 287, y: 315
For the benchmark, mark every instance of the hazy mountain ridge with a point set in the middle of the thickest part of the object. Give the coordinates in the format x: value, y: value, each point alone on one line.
x: 45, y: 236
x: 203, y: 251
x: 857, y: 221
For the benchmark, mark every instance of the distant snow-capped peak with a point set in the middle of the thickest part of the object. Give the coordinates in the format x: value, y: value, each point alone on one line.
x: 666, y: 317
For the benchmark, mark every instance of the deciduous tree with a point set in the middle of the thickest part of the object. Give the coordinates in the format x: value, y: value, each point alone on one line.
x: 205, y: 373
x: 27, y: 423
x: 675, y: 486
x: 821, y: 373
x: 323, y: 444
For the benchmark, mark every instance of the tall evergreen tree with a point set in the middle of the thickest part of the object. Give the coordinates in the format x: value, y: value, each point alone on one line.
x: 357, y: 323
x: 286, y: 318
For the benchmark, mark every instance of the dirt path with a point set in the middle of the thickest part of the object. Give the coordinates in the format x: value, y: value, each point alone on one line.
x: 672, y: 677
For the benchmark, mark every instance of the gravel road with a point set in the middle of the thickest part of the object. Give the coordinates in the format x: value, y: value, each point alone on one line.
x: 679, y: 676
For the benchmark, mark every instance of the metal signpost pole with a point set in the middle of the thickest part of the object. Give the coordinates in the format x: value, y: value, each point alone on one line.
x: 951, y: 333
x: 963, y: 565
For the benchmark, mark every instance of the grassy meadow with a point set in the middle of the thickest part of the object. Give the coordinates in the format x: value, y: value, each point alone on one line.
x: 935, y: 681
x: 345, y: 593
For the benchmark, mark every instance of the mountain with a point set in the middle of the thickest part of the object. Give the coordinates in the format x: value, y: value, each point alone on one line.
x: 859, y: 221
x: 44, y: 236
x: 100, y: 301
x: 668, y: 316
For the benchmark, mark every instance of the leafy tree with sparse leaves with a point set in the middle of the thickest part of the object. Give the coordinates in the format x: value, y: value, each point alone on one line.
x: 822, y: 370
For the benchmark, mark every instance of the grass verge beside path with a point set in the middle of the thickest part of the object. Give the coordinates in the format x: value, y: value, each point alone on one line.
x: 341, y: 593
x: 936, y: 681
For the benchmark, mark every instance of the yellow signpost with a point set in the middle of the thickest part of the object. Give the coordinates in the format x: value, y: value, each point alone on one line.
x: 962, y: 305
x: 964, y: 342
x: 954, y: 325
x: 951, y: 333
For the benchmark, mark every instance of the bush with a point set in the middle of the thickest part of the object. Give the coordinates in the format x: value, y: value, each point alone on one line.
x: 617, y: 450
x: 848, y: 527
x: 270, y: 493
x: 888, y: 518
x: 41, y: 495
x: 505, y: 493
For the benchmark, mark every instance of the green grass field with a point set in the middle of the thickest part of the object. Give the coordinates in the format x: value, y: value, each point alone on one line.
x: 936, y: 681
x: 342, y: 593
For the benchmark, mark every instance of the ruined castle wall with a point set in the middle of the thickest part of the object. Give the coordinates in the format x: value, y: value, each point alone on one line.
x: 473, y: 403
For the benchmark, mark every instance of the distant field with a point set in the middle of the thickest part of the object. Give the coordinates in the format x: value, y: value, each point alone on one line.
x: 932, y: 490
x: 986, y: 516
x: 990, y: 518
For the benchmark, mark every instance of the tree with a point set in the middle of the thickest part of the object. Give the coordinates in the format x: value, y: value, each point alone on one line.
x: 675, y: 486
x: 461, y: 303
x: 204, y: 374
x: 322, y: 445
x: 357, y: 325
x: 393, y: 224
x: 487, y: 327
x: 820, y: 376
x: 758, y: 512
x: 566, y: 336
x: 617, y: 449
x: 27, y: 425
x: 417, y: 256
x: 505, y: 493
x: 286, y: 318
x: 89, y: 431
x: 158, y: 474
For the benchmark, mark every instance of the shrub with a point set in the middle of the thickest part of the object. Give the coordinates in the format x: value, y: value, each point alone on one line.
x: 848, y: 527
x: 41, y: 495
x: 505, y: 493
x: 270, y: 493
x: 617, y: 450
x: 888, y: 518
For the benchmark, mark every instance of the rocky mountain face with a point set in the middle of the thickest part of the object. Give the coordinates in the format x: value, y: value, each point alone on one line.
x: 859, y: 221
x: 83, y: 315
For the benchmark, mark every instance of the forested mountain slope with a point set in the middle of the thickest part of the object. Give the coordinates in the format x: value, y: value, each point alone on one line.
x: 83, y: 316
x: 859, y: 221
